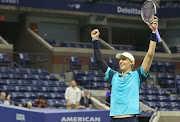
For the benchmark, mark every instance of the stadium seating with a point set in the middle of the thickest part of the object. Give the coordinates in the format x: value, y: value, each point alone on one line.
x: 27, y: 86
x: 158, y: 98
x: 163, y: 67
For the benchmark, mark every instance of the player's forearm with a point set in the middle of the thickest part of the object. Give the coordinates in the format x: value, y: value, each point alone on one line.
x: 98, y: 56
x: 151, y: 50
x: 150, y: 54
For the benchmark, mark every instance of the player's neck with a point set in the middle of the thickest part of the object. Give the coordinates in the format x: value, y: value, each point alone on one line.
x: 126, y: 71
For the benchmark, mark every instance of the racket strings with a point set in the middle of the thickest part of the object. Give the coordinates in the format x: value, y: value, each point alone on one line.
x: 148, y: 11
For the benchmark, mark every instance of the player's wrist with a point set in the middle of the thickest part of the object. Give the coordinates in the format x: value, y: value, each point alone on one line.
x: 153, y: 37
x: 95, y: 44
x: 94, y: 39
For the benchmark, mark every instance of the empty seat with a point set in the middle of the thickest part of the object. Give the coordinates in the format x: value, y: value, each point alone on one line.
x: 22, y: 88
x: 46, y: 95
x: 31, y: 95
x: 55, y: 103
x: 74, y: 63
x: 57, y: 96
x: 164, y: 98
x: 24, y: 59
x: 4, y: 59
x: 18, y: 95
x: 152, y: 98
x: 3, y: 82
x: 165, y: 104
x: 64, y: 103
x: 112, y: 63
x: 174, y: 99
x: 32, y: 89
x: 58, y: 89
x: 175, y: 104
x: 169, y: 67
x: 92, y: 64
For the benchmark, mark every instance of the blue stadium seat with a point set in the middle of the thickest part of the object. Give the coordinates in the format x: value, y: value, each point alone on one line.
x: 46, y: 95
x: 24, y: 60
x: 38, y: 83
x: 12, y: 82
x: 3, y: 70
x: 3, y: 76
x: 112, y: 63
x: 150, y: 104
x: 24, y: 82
x: 87, y: 46
x: 32, y: 89
x: 41, y: 71
x: 75, y: 63
x: 12, y: 76
x: 161, y: 67
x: 3, y: 82
x: 165, y: 104
x: 58, y: 89
x: 152, y: 98
x: 173, y: 49
x: 170, y: 83
x: 31, y: 95
x: 165, y: 109
x: 18, y: 95
x: 174, y: 99
x: 64, y: 103
x: 44, y: 89
x: 175, y: 104
x: 58, y: 96
x: 170, y: 68
x: 161, y: 79
x: 12, y: 88
x: 22, y: 88
x: 150, y: 92
x: 55, y: 103
x: 4, y: 59
x: 163, y: 93
x: 164, y: 98
x: 96, y: 85
x: 92, y: 64
x: 106, y: 85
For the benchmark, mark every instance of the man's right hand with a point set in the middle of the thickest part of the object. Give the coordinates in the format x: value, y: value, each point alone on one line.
x: 95, y: 34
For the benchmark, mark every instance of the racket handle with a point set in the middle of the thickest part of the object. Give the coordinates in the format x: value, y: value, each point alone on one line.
x: 158, y: 36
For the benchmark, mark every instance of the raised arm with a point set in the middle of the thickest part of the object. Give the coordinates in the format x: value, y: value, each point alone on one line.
x: 97, y: 53
x: 152, y: 46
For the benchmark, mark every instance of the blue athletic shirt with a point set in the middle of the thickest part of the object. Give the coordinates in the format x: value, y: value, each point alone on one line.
x: 125, y: 91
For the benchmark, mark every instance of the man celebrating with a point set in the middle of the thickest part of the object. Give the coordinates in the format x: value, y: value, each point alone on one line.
x: 125, y: 85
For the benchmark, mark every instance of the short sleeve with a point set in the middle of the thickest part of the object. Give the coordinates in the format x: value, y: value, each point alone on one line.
x: 142, y: 75
x: 109, y: 74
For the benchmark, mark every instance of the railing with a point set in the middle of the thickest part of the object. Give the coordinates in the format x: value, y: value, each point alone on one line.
x: 154, y: 113
x: 38, y: 60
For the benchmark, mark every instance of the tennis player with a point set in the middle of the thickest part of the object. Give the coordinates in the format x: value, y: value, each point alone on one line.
x: 125, y: 85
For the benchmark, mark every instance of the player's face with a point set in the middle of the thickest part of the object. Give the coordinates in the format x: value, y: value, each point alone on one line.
x: 125, y: 63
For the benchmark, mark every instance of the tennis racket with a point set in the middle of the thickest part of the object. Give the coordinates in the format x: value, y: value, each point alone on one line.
x: 148, y: 12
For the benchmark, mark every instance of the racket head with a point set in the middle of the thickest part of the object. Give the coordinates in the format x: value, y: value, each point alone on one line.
x: 148, y: 11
